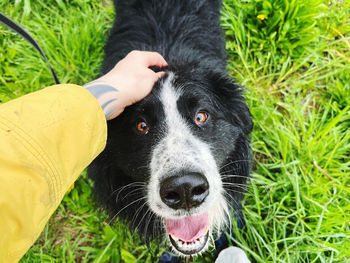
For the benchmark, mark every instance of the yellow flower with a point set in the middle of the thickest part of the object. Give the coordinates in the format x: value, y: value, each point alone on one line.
x: 261, y: 17
x: 70, y: 188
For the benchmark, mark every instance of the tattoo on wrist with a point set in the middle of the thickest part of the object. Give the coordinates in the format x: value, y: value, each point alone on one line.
x: 108, y: 107
x: 105, y: 95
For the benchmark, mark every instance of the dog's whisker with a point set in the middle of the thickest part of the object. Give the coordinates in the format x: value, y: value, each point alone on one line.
x: 127, y: 195
x: 148, y: 220
x: 234, y: 162
x: 231, y: 186
x: 122, y: 188
x: 137, y: 200
x: 156, y: 226
x: 149, y: 214
x: 236, y: 176
x: 231, y: 198
x: 234, y: 215
x: 132, y: 192
x: 234, y: 184
x: 237, y: 191
x: 136, y: 215
x: 230, y: 193
x: 141, y: 219
x: 228, y: 215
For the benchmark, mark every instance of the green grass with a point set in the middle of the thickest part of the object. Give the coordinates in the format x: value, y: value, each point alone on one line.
x: 296, y: 66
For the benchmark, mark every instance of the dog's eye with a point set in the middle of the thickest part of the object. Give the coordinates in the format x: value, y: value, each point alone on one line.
x: 142, y: 127
x: 201, y: 117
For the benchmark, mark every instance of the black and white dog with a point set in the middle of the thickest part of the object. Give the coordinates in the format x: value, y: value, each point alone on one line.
x: 176, y: 163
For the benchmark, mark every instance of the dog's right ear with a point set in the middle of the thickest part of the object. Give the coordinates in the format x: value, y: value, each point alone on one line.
x: 232, y: 102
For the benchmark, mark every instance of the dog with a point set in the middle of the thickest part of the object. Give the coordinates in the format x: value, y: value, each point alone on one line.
x: 176, y: 163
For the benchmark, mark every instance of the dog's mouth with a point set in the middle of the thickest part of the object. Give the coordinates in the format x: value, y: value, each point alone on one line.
x: 188, y: 235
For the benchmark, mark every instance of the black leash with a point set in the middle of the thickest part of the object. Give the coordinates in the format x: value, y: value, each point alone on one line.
x: 18, y: 29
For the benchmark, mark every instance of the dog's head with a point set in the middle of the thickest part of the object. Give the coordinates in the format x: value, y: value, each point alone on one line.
x: 176, y: 162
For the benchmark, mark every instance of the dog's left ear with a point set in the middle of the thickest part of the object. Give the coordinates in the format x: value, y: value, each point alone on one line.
x: 232, y: 101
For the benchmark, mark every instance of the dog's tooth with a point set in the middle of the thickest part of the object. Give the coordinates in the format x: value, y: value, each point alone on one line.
x: 177, y: 240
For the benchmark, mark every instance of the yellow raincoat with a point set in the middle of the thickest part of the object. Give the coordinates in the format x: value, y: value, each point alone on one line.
x: 46, y: 139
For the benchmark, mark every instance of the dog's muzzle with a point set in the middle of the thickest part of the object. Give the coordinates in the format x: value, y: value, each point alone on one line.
x: 185, y: 191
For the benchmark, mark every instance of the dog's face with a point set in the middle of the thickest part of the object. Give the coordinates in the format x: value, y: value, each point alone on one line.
x: 176, y: 162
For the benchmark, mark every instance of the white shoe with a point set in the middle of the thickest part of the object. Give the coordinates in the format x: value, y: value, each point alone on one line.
x: 232, y: 255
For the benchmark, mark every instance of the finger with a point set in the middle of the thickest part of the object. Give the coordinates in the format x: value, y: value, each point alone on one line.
x: 153, y: 79
x: 156, y: 76
x: 160, y: 74
x: 148, y: 59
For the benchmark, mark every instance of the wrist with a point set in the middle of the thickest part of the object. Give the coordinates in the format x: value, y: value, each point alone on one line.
x: 108, y: 96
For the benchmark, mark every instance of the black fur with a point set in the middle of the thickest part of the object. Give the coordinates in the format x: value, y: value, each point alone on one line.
x: 188, y: 34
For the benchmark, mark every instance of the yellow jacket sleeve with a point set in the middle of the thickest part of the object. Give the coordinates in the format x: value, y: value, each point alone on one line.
x: 46, y: 139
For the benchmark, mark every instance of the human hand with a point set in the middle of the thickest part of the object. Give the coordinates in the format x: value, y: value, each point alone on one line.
x: 127, y: 83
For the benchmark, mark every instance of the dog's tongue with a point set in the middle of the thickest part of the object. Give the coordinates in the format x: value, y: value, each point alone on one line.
x: 189, y: 228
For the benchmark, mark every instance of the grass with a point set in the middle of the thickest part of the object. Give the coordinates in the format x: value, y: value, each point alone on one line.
x: 294, y: 61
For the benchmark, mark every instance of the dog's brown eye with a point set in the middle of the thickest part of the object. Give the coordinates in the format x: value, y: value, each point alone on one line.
x: 142, y: 127
x: 201, y: 117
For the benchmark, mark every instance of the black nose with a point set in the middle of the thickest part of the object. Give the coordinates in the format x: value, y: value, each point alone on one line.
x: 184, y: 191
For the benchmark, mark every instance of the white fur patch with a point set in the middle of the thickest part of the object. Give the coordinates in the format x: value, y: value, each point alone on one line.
x: 232, y: 254
x: 181, y: 150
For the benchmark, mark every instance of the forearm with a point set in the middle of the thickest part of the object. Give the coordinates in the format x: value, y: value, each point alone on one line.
x: 47, y: 138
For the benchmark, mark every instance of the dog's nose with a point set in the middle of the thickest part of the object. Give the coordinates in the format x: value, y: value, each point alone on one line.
x: 184, y: 191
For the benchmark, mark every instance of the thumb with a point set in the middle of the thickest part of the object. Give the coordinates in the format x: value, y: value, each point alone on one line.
x: 159, y: 75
